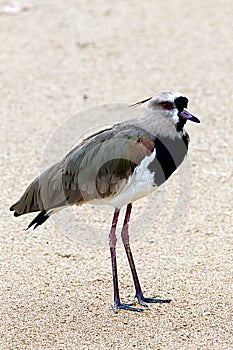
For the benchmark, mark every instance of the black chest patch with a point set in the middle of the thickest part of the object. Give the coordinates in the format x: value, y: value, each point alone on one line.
x: 169, y: 155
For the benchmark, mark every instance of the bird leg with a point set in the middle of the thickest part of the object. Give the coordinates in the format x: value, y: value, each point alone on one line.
x: 125, y: 238
x: 112, y: 243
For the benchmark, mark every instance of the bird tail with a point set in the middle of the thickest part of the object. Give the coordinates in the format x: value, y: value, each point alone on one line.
x: 30, y: 200
x: 44, y: 194
x: 38, y: 220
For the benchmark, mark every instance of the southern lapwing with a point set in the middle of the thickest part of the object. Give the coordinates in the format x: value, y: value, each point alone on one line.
x: 117, y: 166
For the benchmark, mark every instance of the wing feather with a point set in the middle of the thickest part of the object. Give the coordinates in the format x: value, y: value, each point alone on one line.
x: 100, y: 167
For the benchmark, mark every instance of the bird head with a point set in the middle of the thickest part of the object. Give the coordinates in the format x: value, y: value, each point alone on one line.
x: 172, y: 105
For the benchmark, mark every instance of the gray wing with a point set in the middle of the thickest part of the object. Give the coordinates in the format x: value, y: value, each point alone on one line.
x: 98, y: 167
x: 101, y: 165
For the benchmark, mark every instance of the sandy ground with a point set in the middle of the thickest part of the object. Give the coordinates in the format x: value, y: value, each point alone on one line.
x: 62, y: 57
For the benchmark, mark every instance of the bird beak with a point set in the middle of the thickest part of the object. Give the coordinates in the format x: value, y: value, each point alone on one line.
x: 185, y: 114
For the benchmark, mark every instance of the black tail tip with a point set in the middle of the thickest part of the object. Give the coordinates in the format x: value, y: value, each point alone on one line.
x: 38, y: 220
x: 12, y: 208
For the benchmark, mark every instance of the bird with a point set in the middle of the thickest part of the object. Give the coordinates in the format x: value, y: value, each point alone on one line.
x: 116, y: 166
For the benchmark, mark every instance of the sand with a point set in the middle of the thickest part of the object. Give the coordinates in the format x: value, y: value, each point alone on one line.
x: 58, y: 58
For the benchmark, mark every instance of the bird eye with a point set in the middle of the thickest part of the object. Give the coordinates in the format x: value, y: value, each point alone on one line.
x: 167, y: 105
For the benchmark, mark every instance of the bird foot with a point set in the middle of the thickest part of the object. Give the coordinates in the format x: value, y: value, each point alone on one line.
x: 119, y: 305
x: 143, y: 300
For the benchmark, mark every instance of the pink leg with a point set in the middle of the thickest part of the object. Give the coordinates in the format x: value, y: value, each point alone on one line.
x: 125, y: 238
x: 112, y: 243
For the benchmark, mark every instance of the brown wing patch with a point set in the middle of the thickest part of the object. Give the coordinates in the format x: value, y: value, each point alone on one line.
x: 140, y: 148
x: 147, y: 143
x: 114, y: 174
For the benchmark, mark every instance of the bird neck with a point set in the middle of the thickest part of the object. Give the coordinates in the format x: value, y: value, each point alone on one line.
x: 157, y: 124
x: 180, y: 125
